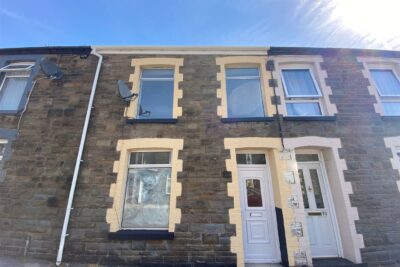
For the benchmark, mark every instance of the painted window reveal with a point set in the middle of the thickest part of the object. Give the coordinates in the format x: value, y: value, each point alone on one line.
x: 156, y: 95
x: 15, y: 78
x: 388, y: 86
x: 147, y: 194
x: 250, y: 159
x: 302, y: 93
x: 244, y: 93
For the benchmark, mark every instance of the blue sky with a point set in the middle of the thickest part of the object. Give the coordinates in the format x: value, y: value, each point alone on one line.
x: 333, y: 23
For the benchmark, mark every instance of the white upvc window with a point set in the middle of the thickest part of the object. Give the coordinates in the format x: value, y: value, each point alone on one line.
x: 147, y: 193
x: 302, y: 94
x: 244, y: 92
x: 156, y: 97
x: 13, y: 85
x: 387, y: 84
x: 3, y: 144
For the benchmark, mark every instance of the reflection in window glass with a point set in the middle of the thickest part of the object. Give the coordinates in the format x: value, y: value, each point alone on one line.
x: 386, y: 82
x: 11, y: 92
x: 303, y: 109
x: 298, y: 82
x: 303, y: 189
x: 156, y: 94
x: 391, y: 108
x: 250, y: 159
x: 317, y: 189
x: 306, y: 157
x: 150, y: 158
x: 146, y: 200
x: 2, y: 149
x: 244, y: 94
x: 253, y: 190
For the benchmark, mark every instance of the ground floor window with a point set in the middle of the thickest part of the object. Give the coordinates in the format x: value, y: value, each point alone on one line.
x: 147, y: 194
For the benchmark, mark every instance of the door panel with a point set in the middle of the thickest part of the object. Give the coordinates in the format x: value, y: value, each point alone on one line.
x: 318, y: 212
x: 259, y: 224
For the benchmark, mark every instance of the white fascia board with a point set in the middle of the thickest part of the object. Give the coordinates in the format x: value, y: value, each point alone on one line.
x: 184, y: 50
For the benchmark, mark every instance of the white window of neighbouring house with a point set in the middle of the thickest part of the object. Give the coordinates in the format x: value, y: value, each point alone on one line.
x: 147, y: 193
x: 302, y: 94
x: 15, y: 77
x: 156, y: 95
x: 388, y: 86
x: 3, y: 144
x: 244, y: 92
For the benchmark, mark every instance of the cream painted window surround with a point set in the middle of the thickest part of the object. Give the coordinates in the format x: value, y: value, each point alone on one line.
x: 313, y: 64
x: 117, y: 189
x: 375, y: 63
x: 242, y: 62
x: 158, y: 62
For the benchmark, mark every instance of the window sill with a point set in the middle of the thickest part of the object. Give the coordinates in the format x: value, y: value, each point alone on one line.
x: 248, y: 119
x: 138, y: 121
x: 309, y: 118
x: 390, y: 118
x: 141, y: 235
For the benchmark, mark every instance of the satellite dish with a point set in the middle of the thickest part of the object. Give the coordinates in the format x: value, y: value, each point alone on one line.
x: 124, y: 92
x: 50, y: 69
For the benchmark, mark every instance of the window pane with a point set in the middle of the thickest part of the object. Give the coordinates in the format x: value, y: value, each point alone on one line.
x: 303, y: 109
x: 244, y: 98
x: 306, y: 157
x: 250, y: 158
x: 150, y: 158
x: 386, y: 82
x: 303, y: 189
x: 253, y: 189
x: 299, y: 83
x: 391, y: 108
x: 240, y: 72
x: 11, y: 93
x: 146, y: 200
x: 317, y: 189
x: 158, y: 73
x: 156, y: 99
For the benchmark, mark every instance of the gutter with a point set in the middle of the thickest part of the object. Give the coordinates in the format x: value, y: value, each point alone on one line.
x: 78, y: 160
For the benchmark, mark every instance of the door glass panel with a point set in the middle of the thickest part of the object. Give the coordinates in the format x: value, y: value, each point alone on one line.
x: 253, y: 191
x: 250, y: 158
x: 303, y: 189
x: 317, y: 189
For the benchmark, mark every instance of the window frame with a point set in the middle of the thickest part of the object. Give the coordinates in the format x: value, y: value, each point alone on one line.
x: 145, y: 166
x: 259, y: 77
x: 376, y: 85
x: 5, y: 143
x: 384, y: 98
x: 6, y: 68
x: 287, y: 96
x: 155, y: 79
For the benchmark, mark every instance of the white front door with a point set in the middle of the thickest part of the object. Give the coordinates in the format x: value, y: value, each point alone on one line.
x: 260, y: 234
x: 318, y: 211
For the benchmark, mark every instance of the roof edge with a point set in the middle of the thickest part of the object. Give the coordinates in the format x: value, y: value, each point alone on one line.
x: 76, y: 50
x: 183, y: 50
x: 281, y: 51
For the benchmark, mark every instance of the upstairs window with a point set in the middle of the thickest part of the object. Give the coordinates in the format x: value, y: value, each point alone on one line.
x: 156, y: 95
x: 302, y: 94
x: 244, y: 93
x: 3, y: 144
x: 147, y: 193
x: 14, y: 79
x: 388, y: 86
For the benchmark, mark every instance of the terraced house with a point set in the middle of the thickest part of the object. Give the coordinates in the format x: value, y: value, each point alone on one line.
x: 200, y: 156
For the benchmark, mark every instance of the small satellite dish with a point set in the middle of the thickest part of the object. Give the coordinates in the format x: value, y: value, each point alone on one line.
x: 124, y: 92
x: 50, y: 69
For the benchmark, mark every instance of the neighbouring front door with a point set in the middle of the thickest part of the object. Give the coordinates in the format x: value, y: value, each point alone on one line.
x: 260, y: 235
x: 318, y: 211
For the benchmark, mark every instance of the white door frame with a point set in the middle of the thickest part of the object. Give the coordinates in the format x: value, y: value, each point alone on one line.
x: 329, y: 196
x: 271, y: 203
